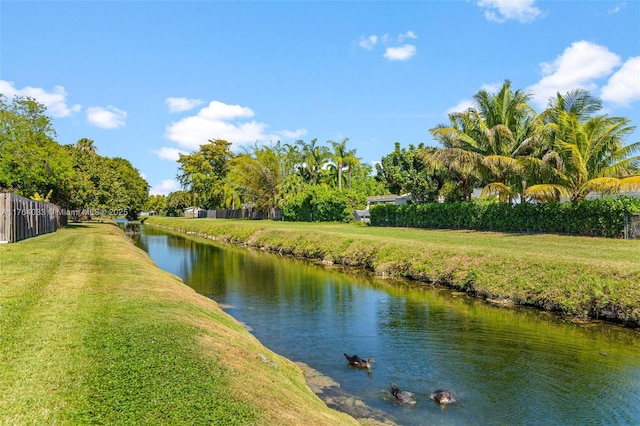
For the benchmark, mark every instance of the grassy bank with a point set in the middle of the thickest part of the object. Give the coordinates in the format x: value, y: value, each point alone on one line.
x: 579, y: 276
x: 91, y: 332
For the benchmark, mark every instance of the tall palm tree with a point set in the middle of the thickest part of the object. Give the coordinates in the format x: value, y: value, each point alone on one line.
x: 489, y: 137
x: 343, y: 158
x: 314, y: 157
x: 338, y: 156
x: 588, y: 156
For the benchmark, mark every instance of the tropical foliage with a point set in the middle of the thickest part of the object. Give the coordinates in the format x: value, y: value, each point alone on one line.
x: 308, y: 181
x: 75, y: 177
x: 566, y: 152
x: 570, y: 151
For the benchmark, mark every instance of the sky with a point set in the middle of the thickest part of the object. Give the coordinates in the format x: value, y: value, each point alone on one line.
x: 147, y: 80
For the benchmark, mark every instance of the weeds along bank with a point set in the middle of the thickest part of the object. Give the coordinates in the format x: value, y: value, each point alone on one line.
x: 92, y: 332
x: 578, y: 276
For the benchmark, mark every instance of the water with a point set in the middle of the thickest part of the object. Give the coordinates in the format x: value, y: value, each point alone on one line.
x: 504, y: 365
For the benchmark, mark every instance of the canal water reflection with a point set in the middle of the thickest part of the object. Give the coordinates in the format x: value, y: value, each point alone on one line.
x: 504, y: 365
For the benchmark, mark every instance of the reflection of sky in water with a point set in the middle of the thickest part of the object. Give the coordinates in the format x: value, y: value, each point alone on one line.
x: 506, y: 366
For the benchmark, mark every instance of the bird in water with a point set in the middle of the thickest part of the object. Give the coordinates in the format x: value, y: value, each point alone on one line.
x: 402, y: 396
x: 356, y: 361
x: 442, y: 397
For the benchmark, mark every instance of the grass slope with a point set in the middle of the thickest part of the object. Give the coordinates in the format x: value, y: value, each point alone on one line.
x: 91, y: 332
x: 580, y: 276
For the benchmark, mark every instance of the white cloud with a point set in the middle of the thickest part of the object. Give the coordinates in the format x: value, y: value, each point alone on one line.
x: 461, y: 106
x: 222, y: 121
x: 401, y: 53
x: 408, y: 34
x: 623, y: 87
x: 617, y: 8
x: 55, y: 101
x: 505, y: 10
x: 292, y: 134
x: 576, y: 68
x: 368, y: 42
x: 167, y: 153
x: 465, y: 104
x: 106, y: 118
x: 164, y: 187
x: 182, y: 104
x: 393, y: 50
x: 221, y: 111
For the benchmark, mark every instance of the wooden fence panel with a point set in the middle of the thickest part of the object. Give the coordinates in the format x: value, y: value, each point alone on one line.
x: 274, y: 214
x: 22, y: 218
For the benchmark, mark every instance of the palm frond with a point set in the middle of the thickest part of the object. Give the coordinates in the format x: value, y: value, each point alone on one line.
x: 546, y: 192
x: 603, y: 185
x: 499, y: 189
x: 631, y: 183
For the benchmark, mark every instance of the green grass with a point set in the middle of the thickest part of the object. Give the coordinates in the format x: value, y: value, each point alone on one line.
x: 579, y: 276
x: 91, y: 332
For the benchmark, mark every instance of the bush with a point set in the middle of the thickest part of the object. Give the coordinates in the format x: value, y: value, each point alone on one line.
x: 603, y: 217
x: 322, y: 204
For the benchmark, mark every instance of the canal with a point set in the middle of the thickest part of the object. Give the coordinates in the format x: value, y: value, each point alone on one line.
x: 503, y: 365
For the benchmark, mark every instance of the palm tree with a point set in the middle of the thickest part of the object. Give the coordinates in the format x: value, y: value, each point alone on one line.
x: 485, y: 142
x: 86, y: 145
x: 314, y: 157
x: 257, y: 177
x: 338, y: 156
x: 587, y: 156
x: 343, y: 158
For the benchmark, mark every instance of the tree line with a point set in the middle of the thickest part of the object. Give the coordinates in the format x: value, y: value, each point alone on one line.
x: 501, y: 145
x: 33, y: 164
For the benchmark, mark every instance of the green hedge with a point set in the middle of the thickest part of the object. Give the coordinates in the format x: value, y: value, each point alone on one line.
x: 603, y: 217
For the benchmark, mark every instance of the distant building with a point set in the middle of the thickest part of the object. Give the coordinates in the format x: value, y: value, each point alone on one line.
x: 194, y: 212
x: 388, y: 199
x: 365, y: 216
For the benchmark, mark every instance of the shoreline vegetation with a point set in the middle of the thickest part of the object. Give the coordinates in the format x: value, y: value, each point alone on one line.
x: 92, y: 332
x: 579, y: 277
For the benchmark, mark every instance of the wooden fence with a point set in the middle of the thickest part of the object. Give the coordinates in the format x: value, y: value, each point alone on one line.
x: 632, y: 227
x: 22, y: 218
x: 273, y: 214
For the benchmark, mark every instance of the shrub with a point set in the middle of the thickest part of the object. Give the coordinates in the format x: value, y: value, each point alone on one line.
x: 603, y: 217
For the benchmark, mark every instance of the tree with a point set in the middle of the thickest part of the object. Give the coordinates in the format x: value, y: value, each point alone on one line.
x: 590, y: 156
x: 111, y: 186
x: 156, y: 204
x: 87, y: 146
x: 339, y: 157
x: 177, y: 201
x: 404, y: 171
x: 484, y: 143
x: 313, y: 158
x: 31, y: 161
x: 203, y: 173
x: 256, y: 176
x: 134, y: 190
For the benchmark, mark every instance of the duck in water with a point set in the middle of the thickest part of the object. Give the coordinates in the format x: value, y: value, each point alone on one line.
x: 442, y: 397
x: 402, y: 396
x: 358, y: 362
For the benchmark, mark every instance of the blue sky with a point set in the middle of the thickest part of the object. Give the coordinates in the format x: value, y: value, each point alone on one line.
x: 148, y: 79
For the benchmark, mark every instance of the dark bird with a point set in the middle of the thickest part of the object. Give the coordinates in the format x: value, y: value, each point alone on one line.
x: 403, y: 397
x: 442, y: 397
x: 356, y: 361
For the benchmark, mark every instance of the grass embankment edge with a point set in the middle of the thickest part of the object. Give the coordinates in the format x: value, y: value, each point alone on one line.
x: 92, y: 332
x: 581, y: 277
